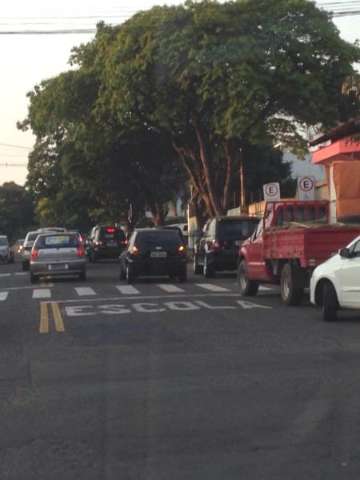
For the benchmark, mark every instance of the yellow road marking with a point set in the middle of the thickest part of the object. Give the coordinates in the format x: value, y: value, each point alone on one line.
x: 59, y: 322
x: 44, y: 318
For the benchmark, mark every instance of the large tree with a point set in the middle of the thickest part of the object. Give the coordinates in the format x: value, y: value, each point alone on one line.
x: 217, y: 77
x: 83, y: 159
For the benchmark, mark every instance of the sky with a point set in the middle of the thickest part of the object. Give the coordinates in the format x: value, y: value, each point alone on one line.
x: 26, y: 60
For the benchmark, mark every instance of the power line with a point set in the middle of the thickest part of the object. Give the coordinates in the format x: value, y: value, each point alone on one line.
x: 15, y: 146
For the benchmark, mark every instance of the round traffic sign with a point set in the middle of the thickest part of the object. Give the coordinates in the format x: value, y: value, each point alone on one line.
x: 306, y: 184
x: 271, y: 189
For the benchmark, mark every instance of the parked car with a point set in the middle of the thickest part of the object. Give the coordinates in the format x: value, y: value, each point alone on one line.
x: 6, y: 255
x: 335, y: 284
x: 105, y: 241
x: 154, y: 251
x: 218, y: 247
x: 291, y: 240
x: 57, y: 254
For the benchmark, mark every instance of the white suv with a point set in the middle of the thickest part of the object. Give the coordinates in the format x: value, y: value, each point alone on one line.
x: 5, y: 252
x: 335, y: 283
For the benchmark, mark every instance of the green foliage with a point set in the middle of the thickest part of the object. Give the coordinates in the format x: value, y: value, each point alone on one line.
x: 16, y: 210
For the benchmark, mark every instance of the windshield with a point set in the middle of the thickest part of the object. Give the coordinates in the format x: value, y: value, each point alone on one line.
x: 57, y: 241
x: 301, y: 214
x: 164, y: 238
x: 236, y: 230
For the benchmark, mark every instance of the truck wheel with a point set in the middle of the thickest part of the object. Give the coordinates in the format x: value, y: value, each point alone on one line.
x: 248, y: 288
x: 291, y: 293
x: 197, y: 269
x: 329, y: 303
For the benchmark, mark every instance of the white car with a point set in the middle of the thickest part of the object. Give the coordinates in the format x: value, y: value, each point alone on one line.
x: 335, y: 284
x: 5, y: 252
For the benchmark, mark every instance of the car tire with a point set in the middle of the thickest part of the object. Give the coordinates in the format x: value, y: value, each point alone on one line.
x: 248, y: 288
x: 82, y: 276
x: 208, y: 270
x: 25, y: 267
x: 197, y: 269
x: 291, y: 294
x: 129, y: 274
x: 330, y: 303
x: 33, y: 278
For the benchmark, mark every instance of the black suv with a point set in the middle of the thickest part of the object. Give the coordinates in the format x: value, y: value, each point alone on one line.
x: 154, y: 251
x: 218, y: 247
x: 105, y: 241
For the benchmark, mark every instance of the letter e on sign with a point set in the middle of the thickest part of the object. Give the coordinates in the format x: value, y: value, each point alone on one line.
x: 271, y: 192
x: 306, y: 188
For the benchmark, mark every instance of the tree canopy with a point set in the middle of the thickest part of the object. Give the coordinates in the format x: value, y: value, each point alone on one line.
x: 191, y: 91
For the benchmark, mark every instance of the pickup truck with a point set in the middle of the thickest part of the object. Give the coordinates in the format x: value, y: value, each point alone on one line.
x: 292, y: 238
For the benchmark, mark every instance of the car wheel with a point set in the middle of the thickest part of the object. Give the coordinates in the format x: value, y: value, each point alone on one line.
x: 208, y: 270
x: 291, y: 293
x: 25, y: 266
x: 82, y: 275
x: 33, y: 278
x: 248, y: 288
x: 330, y: 303
x: 129, y: 274
x: 197, y: 269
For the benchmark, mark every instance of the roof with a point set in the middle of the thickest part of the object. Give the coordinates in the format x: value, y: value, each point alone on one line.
x: 351, y: 127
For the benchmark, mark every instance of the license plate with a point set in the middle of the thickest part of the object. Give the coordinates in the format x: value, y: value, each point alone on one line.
x: 59, y: 266
x: 158, y: 255
x: 111, y: 243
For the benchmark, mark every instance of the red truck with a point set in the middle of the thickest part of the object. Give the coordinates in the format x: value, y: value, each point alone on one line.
x: 292, y: 238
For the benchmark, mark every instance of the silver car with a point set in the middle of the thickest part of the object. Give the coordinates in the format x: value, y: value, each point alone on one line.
x: 5, y: 252
x: 57, y: 254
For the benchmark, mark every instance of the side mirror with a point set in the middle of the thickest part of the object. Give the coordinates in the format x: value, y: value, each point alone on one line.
x: 345, y: 253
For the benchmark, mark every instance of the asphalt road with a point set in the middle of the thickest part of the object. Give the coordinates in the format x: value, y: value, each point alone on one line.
x: 99, y: 381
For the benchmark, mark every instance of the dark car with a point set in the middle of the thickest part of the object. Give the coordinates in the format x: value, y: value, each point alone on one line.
x: 156, y: 252
x: 218, y: 247
x: 105, y: 242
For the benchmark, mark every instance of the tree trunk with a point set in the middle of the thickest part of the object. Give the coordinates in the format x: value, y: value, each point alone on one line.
x: 205, y: 157
x: 229, y: 164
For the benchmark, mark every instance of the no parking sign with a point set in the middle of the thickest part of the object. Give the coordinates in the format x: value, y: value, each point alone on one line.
x: 306, y: 188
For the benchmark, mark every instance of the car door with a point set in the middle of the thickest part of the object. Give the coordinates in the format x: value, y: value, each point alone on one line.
x: 349, y: 278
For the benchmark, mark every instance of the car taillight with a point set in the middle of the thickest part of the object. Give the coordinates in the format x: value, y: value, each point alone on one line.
x: 80, y: 251
x: 215, y: 245
x: 34, y: 254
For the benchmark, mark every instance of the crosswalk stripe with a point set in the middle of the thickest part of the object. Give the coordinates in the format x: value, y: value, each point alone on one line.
x: 41, y: 293
x: 127, y: 290
x: 212, y: 288
x: 84, y: 291
x: 20, y: 274
x: 170, y: 288
x: 3, y: 296
x: 5, y: 275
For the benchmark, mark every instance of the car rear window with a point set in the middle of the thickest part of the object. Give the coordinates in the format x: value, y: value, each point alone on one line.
x: 4, y: 242
x: 236, y: 230
x: 166, y: 238
x: 31, y: 237
x: 57, y: 241
x: 111, y: 233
